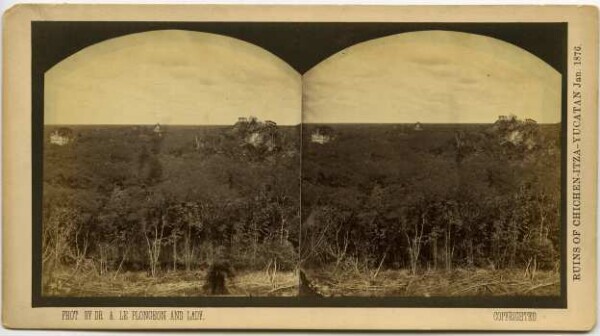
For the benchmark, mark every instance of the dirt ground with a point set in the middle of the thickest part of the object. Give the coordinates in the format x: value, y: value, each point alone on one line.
x: 328, y: 283
x: 180, y: 283
x: 460, y: 282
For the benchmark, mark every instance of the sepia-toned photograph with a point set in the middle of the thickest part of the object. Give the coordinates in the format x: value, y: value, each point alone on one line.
x: 358, y: 168
x: 431, y: 167
x: 171, y: 168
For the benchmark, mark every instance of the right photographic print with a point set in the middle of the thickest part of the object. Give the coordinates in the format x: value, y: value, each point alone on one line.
x: 431, y: 167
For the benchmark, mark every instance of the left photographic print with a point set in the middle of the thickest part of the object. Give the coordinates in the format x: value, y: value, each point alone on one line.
x: 171, y: 167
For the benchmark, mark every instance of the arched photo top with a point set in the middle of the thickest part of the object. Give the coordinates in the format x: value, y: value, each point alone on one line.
x: 431, y: 77
x: 171, y: 77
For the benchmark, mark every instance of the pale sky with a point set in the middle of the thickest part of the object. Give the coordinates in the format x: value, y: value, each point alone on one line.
x: 431, y: 77
x: 172, y: 77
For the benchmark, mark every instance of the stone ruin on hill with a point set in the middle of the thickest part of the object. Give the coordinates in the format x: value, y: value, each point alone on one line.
x: 258, y: 134
x: 521, y: 133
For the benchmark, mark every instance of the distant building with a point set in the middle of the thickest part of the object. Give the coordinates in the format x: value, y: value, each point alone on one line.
x: 255, y: 139
x: 262, y: 138
x: 418, y: 127
x: 61, y: 136
x: 507, y: 123
x: 520, y: 133
x: 530, y: 121
x: 257, y: 133
x: 158, y: 130
x: 511, y: 117
x: 515, y: 137
x: 322, y: 135
x: 320, y: 138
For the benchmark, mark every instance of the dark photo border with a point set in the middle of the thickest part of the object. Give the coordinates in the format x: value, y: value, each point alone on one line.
x: 302, y: 45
